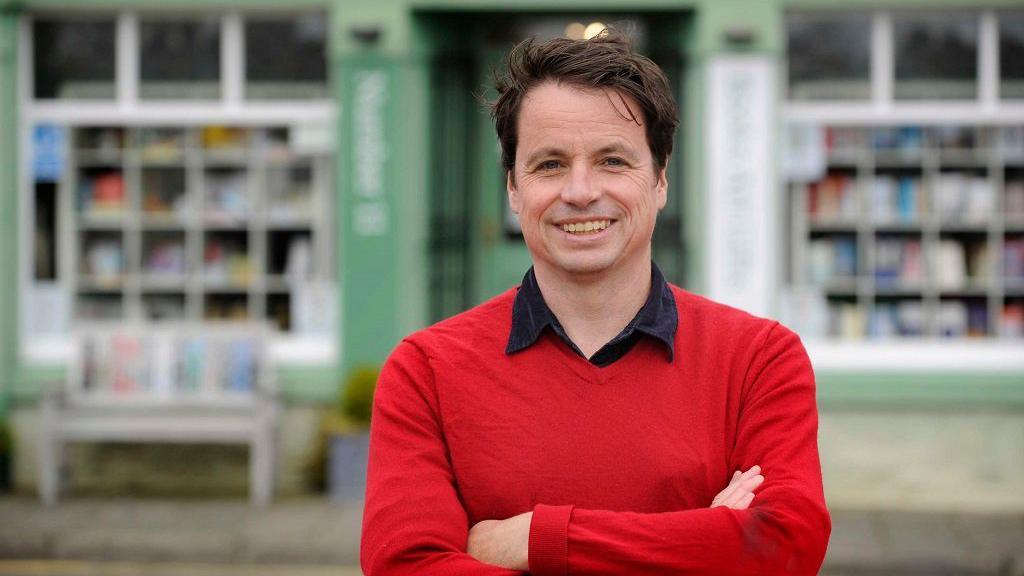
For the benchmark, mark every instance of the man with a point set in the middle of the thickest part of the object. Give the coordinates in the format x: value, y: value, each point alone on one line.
x: 596, y: 420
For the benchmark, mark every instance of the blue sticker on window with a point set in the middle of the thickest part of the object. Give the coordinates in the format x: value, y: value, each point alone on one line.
x: 48, y: 152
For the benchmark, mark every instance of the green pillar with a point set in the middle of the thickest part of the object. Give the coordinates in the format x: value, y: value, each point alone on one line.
x: 382, y: 182
x: 9, y: 131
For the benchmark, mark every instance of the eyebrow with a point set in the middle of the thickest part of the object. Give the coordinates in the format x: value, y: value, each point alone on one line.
x: 543, y: 153
x: 617, y: 148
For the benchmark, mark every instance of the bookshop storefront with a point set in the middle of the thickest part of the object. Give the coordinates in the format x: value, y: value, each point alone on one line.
x: 325, y: 171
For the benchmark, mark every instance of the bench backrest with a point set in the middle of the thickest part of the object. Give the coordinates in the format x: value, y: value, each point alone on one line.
x: 190, y: 363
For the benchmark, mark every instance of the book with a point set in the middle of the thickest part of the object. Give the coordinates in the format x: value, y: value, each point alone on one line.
x: 832, y: 259
x: 1012, y: 321
x: 1013, y: 259
x: 240, y: 366
x: 950, y: 265
x: 889, y: 319
x: 964, y: 199
x: 101, y: 194
x: 952, y: 319
x: 898, y: 262
x: 126, y: 364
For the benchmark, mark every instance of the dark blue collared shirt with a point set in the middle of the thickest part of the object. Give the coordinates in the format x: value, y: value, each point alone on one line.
x: 657, y: 319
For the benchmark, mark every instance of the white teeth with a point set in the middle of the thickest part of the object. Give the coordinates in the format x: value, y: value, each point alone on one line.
x: 584, y: 227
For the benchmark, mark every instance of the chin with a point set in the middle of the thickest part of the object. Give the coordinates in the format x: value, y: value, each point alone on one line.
x: 584, y: 266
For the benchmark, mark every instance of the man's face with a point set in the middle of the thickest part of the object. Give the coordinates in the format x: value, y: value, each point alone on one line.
x: 585, y: 184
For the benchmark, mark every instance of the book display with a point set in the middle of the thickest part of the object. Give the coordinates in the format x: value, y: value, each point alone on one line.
x: 208, y: 222
x: 913, y: 231
x: 164, y: 365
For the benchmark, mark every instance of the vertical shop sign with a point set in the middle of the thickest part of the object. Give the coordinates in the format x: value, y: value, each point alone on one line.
x: 370, y: 210
x: 741, y: 188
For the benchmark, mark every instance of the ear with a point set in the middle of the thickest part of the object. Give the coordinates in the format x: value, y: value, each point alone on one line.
x: 514, y: 201
x: 661, y: 188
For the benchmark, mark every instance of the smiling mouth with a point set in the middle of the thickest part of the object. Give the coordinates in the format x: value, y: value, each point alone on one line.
x: 588, y: 227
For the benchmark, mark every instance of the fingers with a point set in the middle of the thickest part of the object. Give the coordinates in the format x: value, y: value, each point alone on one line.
x: 743, y: 490
x: 745, y: 502
x: 740, y: 491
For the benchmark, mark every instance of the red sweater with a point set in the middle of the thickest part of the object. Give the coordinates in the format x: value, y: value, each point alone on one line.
x: 618, y: 464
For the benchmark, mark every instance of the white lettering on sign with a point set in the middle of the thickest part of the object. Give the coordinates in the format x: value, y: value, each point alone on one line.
x: 371, y: 150
x: 370, y: 212
x: 741, y: 261
x: 371, y: 219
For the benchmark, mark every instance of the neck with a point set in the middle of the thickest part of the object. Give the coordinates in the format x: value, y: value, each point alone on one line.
x: 593, y: 309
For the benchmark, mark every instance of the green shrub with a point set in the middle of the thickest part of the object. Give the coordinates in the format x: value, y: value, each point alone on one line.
x: 350, y: 416
x: 6, y: 455
x: 355, y: 402
x: 5, y: 437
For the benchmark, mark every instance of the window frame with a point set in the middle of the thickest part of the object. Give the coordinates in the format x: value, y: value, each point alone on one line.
x: 848, y: 14
x: 129, y: 110
x: 910, y: 355
x: 883, y: 108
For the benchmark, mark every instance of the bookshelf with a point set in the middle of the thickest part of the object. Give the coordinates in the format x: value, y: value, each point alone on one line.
x: 912, y: 232
x: 203, y: 223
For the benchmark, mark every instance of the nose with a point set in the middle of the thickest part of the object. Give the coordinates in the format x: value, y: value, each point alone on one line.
x: 580, y: 189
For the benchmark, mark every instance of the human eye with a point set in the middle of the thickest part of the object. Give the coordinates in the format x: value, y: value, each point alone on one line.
x: 614, y: 161
x: 548, y: 165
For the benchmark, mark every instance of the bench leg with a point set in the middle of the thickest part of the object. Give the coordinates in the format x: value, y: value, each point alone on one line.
x: 49, y: 456
x: 261, y: 467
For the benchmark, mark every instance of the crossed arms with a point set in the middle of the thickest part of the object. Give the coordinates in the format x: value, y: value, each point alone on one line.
x: 415, y: 521
x: 506, y: 543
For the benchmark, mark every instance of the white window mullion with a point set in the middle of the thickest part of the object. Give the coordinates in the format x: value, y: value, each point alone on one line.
x: 988, y: 60
x: 127, y: 50
x: 232, y: 60
x: 883, y: 60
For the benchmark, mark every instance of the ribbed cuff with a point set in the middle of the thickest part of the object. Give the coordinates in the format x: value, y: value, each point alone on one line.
x: 549, y: 540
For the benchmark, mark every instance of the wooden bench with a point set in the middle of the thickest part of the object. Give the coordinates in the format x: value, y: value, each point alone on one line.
x: 174, y: 384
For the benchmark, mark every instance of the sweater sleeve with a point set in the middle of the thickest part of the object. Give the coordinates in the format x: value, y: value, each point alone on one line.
x: 785, y: 531
x: 413, y: 521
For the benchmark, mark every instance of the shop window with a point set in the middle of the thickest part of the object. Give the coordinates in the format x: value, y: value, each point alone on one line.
x: 285, y: 58
x: 73, y: 59
x: 912, y: 231
x: 829, y: 57
x: 936, y: 56
x: 180, y: 59
x: 187, y: 223
x: 1011, y: 55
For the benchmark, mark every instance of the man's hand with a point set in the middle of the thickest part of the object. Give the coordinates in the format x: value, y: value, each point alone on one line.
x: 740, y: 492
x: 504, y: 543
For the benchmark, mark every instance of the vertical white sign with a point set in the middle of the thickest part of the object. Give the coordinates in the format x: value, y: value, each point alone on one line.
x: 370, y: 212
x: 741, y: 182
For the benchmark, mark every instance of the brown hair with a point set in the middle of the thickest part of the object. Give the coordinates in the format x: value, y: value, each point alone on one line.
x: 605, y: 61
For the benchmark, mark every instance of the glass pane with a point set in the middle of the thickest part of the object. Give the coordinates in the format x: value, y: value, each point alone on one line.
x: 829, y: 57
x: 180, y: 59
x: 73, y: 59
x: 1011, y: 55
x: 286, y: 57
x: 936, y: 57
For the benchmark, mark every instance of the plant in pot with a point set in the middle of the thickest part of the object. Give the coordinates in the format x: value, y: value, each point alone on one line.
x: 348, y: 433
x: 6, y: 451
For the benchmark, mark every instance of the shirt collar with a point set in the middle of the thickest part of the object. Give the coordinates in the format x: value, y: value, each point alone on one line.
x: 530, y: 316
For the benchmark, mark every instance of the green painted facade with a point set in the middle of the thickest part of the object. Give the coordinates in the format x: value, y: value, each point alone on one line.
x: 8, y: 203
x: 435, y: 185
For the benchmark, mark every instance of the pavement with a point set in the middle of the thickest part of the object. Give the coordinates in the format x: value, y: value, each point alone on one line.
x: 314, y: 537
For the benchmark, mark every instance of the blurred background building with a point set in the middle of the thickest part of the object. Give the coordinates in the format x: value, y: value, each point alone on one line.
x: 326, y: 169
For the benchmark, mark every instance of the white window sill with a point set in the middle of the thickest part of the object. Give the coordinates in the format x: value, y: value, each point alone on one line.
x: 918, y: 356
x: 284, y: 351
